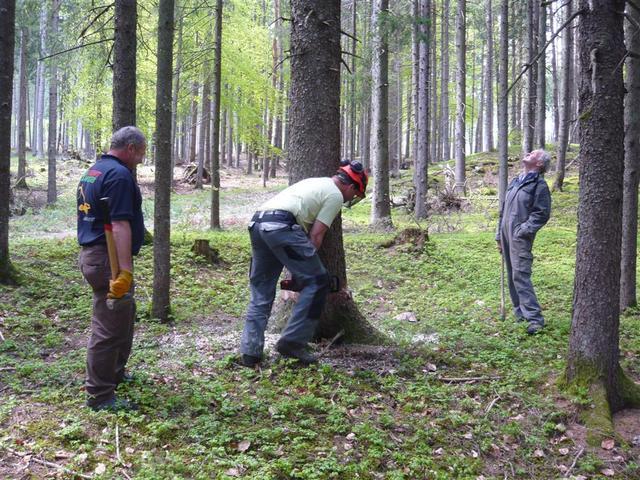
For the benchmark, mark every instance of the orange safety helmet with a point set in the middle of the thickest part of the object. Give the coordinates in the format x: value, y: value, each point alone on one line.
x: 356, y: 173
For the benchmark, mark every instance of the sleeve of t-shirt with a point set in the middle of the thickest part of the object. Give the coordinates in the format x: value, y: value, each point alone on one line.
x: 119, y: 188
x: 330, y: 209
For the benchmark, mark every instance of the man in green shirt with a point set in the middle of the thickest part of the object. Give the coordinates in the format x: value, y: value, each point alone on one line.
x: 287, y: 231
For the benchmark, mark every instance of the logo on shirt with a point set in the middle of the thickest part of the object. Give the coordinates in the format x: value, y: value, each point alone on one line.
x: 91, y: 176
x: 84, y: 207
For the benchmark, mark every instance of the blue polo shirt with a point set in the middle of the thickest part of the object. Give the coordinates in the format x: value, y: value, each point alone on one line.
x: 109, y: 177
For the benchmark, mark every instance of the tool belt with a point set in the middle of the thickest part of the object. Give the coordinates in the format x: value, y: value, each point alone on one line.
x: 275, y: 216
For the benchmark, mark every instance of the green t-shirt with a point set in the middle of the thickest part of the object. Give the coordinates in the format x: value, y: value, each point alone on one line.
x: 309, y: 200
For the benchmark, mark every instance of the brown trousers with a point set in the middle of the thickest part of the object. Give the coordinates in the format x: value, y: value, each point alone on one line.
x: 111, y: 330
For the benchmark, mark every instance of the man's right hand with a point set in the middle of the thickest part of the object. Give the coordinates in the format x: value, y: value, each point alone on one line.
x: 499, y: 245
x: 119, y: 287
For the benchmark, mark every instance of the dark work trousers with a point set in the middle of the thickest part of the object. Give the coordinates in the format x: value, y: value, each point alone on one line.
x: 519, y: 259
x: 274, y: 245
x: 111, y: 330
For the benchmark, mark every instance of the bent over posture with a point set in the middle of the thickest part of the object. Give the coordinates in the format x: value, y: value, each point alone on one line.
x: 111, y: 328
x: 287, y: 231
x: 526, y: 209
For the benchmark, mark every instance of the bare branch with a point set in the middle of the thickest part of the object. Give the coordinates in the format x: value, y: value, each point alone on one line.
x: 345, y: 65
x: 95, y: 19
x: 349, y: 35
x: 541, y: 52
x: 76, y: 48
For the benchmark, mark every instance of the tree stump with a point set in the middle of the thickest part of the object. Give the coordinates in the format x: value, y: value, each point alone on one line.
x: 202, y: 248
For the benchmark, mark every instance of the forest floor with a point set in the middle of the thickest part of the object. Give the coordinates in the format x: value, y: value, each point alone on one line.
x: 460, y: 393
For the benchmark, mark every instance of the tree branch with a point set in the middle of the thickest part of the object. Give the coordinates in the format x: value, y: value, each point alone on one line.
x: 349, y: 35
x: 345, y: 65
x: 541, y: 52
x: 76, y: 48
x: 95, y: 19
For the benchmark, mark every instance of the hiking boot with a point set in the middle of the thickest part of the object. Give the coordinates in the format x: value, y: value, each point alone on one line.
x: 249, y: 361
x: 534, y: 328
x: 297, y: 351
x: 114, y: 404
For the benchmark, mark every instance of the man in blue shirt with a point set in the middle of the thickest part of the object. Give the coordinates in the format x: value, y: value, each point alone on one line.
x: 526, y: 209
x: 111, y: 329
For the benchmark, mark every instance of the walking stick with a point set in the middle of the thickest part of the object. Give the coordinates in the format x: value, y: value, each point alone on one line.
x: 502, y: 312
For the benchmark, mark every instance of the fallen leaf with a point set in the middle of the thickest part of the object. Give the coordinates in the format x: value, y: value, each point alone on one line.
x: 233, y: 472
x: 351, y: 436
x: 561, y: 427
x: 439, y: 451
x: 563, y: 451
x: 468, y: 435
x: 608, y: 443
x: 608, y: 472
x: 431, y: 367
x: 129, y: 450
x: 538, y: 453
x: 618, y: 458
x: 244, y: 445
x: 348, y: 446
x: 100, y: 469
x: 474, y: 454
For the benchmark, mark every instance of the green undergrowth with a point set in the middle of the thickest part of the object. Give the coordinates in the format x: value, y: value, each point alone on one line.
x: 406, y: 413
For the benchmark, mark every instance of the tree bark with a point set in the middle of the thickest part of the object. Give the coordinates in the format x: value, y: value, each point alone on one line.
x: 541, y: 92
x: 529, y: 109
x: 22, y: 110
x: 444, y: 83
x: 124, y: 64
x: 314, y: 144
x: 554, y: 79
x: 503, y: 109
x: 422, y: 112
x: 631, y: 167
x: 161, y: 303
x: 204, y: 118
x: 7, y: 43
x: 592, y: 361
x: 461, y: 93
x: 215, y: 130
x: 380, y: 204
x: 52, y: 148
x: 567, y: 105
x: 194, y: 122
x: 176, y: 93
x: 488, y: 144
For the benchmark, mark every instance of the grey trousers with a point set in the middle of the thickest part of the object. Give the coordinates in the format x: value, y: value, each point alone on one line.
x: 111, y: 337
x: 275, y: 246
x: 519, y: 259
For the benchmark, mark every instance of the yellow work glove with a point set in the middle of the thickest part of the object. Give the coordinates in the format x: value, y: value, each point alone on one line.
x: 121, y: 285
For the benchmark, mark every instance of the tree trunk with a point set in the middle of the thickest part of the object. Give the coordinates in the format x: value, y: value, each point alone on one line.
x: 433, y: 86
x: 215, y: 131
x: 22, y: 111
x: 124, y: 64
x: 444, y: 83
x: 488, y: 84
x: 380, y: 204
x: 161, y: 303
x: 567, y: 104
x: 314, y: 144
x: 194, y: 122
x: 631, y: 167
x: 52, y: 149
x: 514, y: 121
x: 528, y: 110
x: 541, y: 93
x: 592, y: 362
x: 554, y: 78
x: 422, y: 113
x: 7, y: 41
x: 503, y: 109
x: 352, y: 131
x: 176, y: 93
x: 204, y: 120
x: 461, y: 93
x: 481, y: 99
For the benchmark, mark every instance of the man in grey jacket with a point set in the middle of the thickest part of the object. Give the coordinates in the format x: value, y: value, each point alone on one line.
x: 526, y: 209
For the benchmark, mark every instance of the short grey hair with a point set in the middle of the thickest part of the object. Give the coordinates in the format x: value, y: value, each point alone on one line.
x: 127, y: 136
x: 546, y: 160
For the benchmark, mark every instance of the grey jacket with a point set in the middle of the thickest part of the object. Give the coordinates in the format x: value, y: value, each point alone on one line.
x: 526, y: 208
